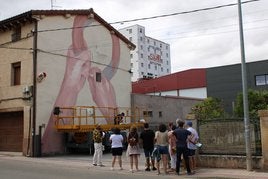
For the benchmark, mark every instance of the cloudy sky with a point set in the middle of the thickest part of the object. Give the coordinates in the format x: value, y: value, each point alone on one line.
x: 198, y: 40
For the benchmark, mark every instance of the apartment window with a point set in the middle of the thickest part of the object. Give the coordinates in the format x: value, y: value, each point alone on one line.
x: 16, y: 35
x: 160, y: 45
x: 166, y: 47
x: 160, y: 114
x: 15, y: 73
x: 140, y: 30
x: 131, y: 65
x: 161, y: 69
x: 142, y: 73
x: 148, y: 40
x: 141, y: 64
x: 167, y: 62
x: 155, y: 67
x: 261, y: 80
x: 130, y: 39
x: 167, y: 70
x: 131, y: 55
x: 98, y: 77
x: 141, y: 55
x: 154, y: 43
x: 149, y: 66
x: 141, y: 47
x: 167, y: 55
x: 130, y: 31
x: 140, y: 38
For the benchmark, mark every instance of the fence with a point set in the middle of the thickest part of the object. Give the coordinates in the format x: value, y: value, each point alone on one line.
x: 227, y: 137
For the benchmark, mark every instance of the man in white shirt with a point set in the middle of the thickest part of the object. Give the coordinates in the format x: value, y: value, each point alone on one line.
x: 191, y: 145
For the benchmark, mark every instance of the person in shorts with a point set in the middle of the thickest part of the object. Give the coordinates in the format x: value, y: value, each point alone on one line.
x: 117, y: 147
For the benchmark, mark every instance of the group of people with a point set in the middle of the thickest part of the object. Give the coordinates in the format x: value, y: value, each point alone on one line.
x: 166, y: 146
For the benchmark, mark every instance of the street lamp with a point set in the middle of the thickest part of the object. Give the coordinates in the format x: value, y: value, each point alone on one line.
x: 245, y: 90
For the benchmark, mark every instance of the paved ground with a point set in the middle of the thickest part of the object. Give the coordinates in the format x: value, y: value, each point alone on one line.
x: 85, y: 161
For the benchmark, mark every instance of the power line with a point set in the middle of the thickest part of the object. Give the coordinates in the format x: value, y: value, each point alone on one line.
x: 154, y: 17
x: 66, y: 56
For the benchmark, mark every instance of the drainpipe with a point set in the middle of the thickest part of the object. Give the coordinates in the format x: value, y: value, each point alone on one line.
x: 34, y: 84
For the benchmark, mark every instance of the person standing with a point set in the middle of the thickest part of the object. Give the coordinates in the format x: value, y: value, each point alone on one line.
x: 172, y: 149
x: 191, y: 145
x: 117, y: 147
x: 133, y: 150
x: 147, y: 137
x: 98, y: 135
x: 182, y: 135
x: 161, y: 141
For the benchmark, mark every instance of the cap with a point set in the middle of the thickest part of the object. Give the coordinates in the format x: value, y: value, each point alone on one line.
x: 189, y: 123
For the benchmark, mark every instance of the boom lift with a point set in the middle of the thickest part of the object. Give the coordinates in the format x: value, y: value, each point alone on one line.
x: 78, y: 122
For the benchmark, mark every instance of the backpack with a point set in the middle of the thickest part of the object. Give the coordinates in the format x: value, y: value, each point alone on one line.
x: 132, y: 141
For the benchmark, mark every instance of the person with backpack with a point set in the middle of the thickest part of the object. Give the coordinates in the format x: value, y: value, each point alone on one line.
x: 133, y: 150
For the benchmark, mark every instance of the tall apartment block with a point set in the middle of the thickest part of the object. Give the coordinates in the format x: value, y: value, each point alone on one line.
x: 151, y: 58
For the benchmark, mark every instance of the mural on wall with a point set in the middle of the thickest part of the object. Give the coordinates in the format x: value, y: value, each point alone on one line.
x: 79, y: 69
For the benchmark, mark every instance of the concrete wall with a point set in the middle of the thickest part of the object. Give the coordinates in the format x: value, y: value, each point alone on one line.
x: 164, y: 109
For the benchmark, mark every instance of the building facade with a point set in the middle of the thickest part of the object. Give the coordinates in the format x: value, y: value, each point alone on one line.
x: 151, y: 58
x: 51, y: 58
x: 223, y: 82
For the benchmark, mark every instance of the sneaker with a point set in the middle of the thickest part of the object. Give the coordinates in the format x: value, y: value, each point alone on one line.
x: 190, y: 173
x: 121, y: 168
x: 101, y: 165
x: 94, y: 164
x: 131, y: 170
x: 154, y: 168
x: 147, y: 169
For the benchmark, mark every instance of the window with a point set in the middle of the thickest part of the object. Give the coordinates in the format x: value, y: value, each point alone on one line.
x: 261, y: 80
x: 142, y: 73
x: 15, y: 73
x: 141, y: 64
x: 167, y: 55
x: 131, y: 65
x: 149, y: 66
x: 16, y: 35
x: 141, y: 47
x: 130, y: 39
x: 140, y: 38
x: 154, y: 43
x: 130, y: 31
x: 160, y: 114
x: 166, y: 47
x: 167, y: 62
x: 155, y: 67
x: 98, y: 77
x: 140, y: 30
x: 141, y: 55
x: 167, y: 70
x: 161, y: 69
x: 148, y: 41
x: 131, y: 55
x: 148, y: 113
x: 160, y: 45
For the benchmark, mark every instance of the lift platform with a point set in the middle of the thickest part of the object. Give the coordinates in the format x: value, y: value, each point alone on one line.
x: 86, y: 118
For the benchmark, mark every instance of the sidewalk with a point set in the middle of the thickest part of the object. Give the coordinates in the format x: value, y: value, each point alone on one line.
x: 85, y: 161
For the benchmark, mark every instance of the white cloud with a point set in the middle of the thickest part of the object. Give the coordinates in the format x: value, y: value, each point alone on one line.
x: 198, y: 40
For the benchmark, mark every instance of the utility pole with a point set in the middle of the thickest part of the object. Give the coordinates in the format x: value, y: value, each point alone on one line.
x: 245, y: 90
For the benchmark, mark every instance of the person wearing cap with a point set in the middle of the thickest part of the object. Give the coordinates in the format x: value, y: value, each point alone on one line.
x: 191, y: 145
x: 182, y: 135
x: 98, y: 136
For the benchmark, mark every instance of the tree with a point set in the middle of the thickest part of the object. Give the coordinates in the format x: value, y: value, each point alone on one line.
x: 208, y: 109
x: 257, y: 99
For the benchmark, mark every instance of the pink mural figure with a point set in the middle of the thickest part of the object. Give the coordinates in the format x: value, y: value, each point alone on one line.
x: 78, y: 70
